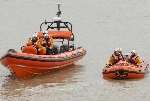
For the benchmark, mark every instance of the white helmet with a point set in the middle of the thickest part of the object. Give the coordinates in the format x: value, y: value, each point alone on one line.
x: 45, y: 32
x: 46, y: 35
x: 35, y: 34
x: 133, y: 52
x: 118, y: 49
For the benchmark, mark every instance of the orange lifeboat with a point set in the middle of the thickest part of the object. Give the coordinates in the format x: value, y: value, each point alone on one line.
x: 31, y: 62
x: 24, y: 65
x: 125, y: 70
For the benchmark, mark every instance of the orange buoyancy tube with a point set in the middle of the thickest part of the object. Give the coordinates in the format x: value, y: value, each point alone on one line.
x: 29, y: 49
x: 60, y: 34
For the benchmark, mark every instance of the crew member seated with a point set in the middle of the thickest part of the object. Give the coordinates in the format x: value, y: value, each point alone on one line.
x: 115, y: 57
x: 40, y: 46
x: 32, y: 41
x: 30, y: 47
x: 134, y: 58
x: 49, y: 41
x: 49, y: 44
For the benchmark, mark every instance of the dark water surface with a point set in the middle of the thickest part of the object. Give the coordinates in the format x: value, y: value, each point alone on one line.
x: 100, y: 26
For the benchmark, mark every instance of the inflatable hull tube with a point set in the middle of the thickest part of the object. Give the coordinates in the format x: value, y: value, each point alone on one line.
x: 124, y: 70
x: 24, y: 65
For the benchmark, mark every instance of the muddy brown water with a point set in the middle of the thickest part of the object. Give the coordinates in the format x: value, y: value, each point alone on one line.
x: 100, y: 26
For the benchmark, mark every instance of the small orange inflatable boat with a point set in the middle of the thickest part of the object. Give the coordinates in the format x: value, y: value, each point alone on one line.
x: 125, y: 70
x: 37, y: 58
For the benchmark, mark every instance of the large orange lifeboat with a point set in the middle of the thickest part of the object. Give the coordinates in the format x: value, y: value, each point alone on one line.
x: 125, y: 70
x: 24, y: 65
x: 34, y: 61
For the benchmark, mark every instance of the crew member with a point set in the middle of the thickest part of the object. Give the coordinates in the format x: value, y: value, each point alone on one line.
x: 134, y: 58
x: 116, y: 57
x: 40, y: 46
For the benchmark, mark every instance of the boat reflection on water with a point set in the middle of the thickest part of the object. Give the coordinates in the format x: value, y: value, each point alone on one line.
x: 15, y: 87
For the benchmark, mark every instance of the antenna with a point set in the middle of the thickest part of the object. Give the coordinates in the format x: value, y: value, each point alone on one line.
x: 59, y: 11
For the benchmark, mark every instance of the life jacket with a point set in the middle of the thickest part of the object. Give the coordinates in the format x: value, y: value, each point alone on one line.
x: 41, y: 49
x: 40, y: 34
x: 50, y: 42
x: 29, y: 43
x: 39, y: 43
x: 135, y: 60
x: 29, y: 49
x: 113, y: 59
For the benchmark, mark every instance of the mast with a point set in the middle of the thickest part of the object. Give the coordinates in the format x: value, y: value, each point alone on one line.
x: 59, y: 11
x: 58, y: 21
